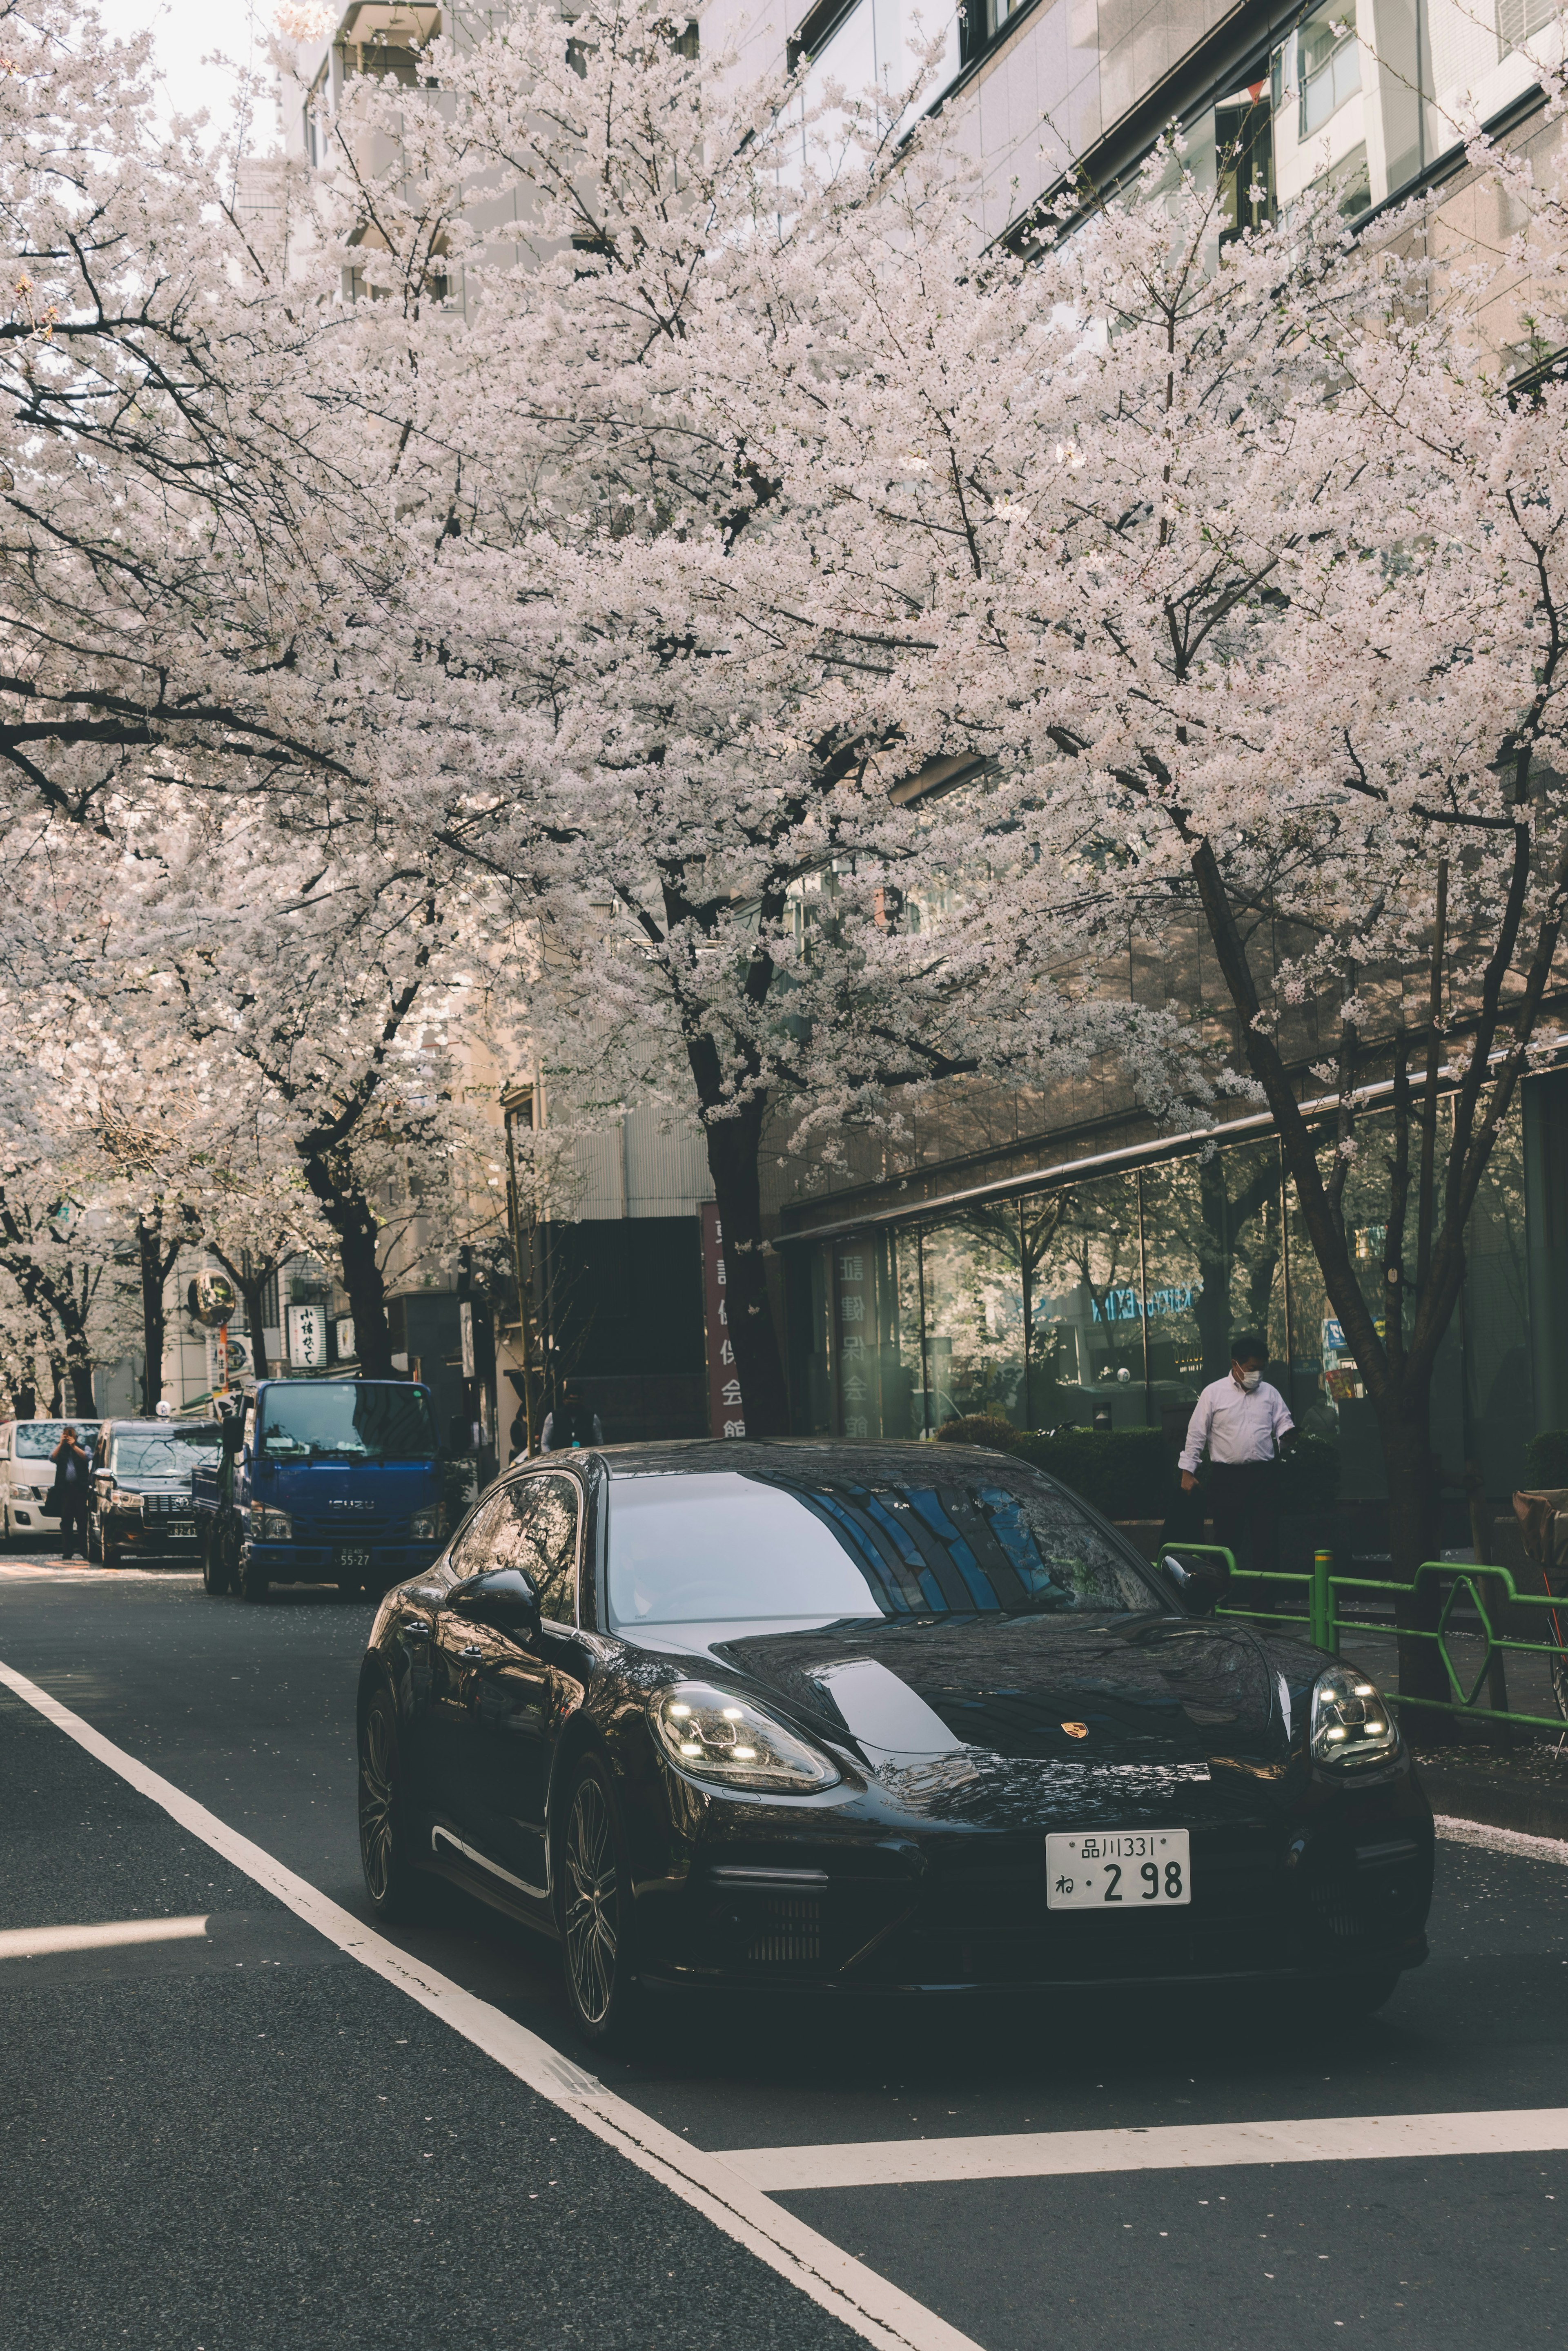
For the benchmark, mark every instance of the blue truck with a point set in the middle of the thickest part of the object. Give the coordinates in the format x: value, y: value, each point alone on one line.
x: 322, y: 1481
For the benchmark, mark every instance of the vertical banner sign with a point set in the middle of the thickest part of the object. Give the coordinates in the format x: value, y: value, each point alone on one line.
x: 465, y: 1335
x: 725, y: 1412
x: 307, y: 1337
x: 855, y: 1359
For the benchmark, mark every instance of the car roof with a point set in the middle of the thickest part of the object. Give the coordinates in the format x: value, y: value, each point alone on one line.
x: 894, y: 1458
x: 155, y: 1427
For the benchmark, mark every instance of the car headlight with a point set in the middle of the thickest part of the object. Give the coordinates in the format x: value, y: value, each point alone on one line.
x: 1351, y: 1722
x: 711, y: 1734
x: 424, y: 1526
x: 133, y: 1505
x: 270, y: 1526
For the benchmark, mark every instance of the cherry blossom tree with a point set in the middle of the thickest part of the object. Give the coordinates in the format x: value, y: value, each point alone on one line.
x: 1253, y: 566
x: 695, y: 780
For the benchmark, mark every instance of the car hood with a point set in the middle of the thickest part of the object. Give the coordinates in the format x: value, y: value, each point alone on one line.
x: 1131, y: 1706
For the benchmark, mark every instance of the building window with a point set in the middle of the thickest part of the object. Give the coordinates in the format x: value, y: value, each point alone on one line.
x: 1519, y: 20
x: 1329, y: 67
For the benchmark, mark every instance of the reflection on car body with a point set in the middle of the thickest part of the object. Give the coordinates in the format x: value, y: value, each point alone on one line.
x: 805, y: 1714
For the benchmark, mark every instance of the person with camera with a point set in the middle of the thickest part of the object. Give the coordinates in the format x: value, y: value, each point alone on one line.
x: 67, y: 1500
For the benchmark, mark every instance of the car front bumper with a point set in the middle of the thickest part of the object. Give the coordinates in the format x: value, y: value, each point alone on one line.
x: 1294, y: 1893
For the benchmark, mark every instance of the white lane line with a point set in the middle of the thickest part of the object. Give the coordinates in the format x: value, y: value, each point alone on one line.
x: 1052, y: 2155
x: 111, y: 1934
x: 1529, y: 1848
x: 43, y: 1570
x: 874, y: 2309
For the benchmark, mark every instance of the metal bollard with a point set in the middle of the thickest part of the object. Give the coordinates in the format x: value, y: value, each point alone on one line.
x: 1325, y: 1635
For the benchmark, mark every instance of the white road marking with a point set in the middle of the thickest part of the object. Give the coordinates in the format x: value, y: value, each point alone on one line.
x: 35, y: 1570
x: 1528, y: 1848
x: 38, y: 1942
x: 1052, y: 2155
x: 874, y: 2309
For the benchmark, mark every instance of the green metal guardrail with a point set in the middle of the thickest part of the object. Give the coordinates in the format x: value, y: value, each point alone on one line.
x: 1324, y: 1623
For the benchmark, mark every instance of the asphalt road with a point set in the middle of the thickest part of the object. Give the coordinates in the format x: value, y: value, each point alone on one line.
x: 244, y: 2138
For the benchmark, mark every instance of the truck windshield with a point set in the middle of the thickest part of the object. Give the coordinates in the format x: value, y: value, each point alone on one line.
x: 163, y: 1456
x: 359, y: 1421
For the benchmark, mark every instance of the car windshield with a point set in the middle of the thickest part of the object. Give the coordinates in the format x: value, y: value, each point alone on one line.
x: 162, y: 1456
x: 357, y: 1420
x: 731, y: 1546
x: 37, y: 1439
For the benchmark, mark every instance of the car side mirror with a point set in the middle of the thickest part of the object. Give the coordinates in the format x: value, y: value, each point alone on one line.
x: 503, y: 1597
x: 1200, y: 1581
x: 234, y: 1436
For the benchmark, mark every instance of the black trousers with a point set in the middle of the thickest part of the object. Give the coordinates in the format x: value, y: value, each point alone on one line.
x: 73, y: 1516
x: 1244, y: 1499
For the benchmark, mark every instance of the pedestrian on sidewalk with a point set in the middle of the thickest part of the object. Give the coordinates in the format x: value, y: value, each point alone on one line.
x: 1244, y: 1425
x: 67, y: 1500
x: 570, y: 1423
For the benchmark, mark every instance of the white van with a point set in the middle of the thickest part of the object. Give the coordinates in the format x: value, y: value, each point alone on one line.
x: 27, y: 1474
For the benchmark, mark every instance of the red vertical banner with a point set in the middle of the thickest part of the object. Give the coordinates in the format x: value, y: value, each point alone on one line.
x: 725, y: 1412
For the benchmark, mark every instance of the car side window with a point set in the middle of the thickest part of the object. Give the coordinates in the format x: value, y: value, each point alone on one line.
x: 474, y: 1549
x: 531, y: 1525
x: 539, y: 1534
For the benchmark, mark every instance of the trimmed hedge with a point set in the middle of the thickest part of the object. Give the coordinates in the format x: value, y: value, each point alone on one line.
x: 1125, y: 1472
x: 1131, y: 1473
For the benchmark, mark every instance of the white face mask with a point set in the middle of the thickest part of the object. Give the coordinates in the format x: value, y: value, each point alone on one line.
x: 1250, y: 1380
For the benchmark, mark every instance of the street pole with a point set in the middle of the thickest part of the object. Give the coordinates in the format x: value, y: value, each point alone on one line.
x: 514, y: 1219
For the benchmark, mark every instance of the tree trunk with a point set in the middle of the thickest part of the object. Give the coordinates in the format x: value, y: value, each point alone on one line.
x: 352, y: 1218
x: 150, y: 1253
x: 366, y: 1290
x: 253, y: 1294
x: 733, y: 1145
x: 1405, y: 1422
x: 79, y: 1365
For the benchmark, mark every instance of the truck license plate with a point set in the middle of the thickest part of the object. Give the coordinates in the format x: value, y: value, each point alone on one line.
x: 1129, y: 1869
x: 354, y: 1558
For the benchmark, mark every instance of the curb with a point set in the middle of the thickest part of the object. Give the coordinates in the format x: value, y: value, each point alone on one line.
x: 1474, y: 1796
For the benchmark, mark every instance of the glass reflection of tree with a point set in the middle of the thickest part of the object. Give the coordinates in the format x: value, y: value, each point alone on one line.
x: 1239, y: 1228
x: 1078, y: 1239
x: 1021, y: 1235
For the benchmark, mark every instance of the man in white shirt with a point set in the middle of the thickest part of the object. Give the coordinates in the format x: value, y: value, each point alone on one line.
x: 1244, y: 1425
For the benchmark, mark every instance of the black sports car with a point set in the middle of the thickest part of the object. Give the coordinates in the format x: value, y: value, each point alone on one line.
x: 872, y: 1718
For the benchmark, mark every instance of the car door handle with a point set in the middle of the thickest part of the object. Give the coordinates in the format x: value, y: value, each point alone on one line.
x: 414, y: 1628
x: 467, y: 1656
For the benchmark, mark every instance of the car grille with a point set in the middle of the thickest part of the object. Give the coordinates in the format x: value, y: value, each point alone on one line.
x: 788, y: 1933
x: 168, y: 1506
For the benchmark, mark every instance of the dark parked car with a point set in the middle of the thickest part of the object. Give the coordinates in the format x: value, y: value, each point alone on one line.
x: 873, y: 1719
x: 140, y: 1500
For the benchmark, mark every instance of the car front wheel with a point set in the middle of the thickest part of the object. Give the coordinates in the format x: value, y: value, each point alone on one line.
x: 397, y: 1890
x: 596, y: 1909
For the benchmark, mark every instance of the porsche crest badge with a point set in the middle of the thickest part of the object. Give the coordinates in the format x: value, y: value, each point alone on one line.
x: 1076, y: 1730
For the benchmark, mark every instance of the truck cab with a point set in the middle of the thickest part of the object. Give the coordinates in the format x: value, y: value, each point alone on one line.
x: 323, y: 1481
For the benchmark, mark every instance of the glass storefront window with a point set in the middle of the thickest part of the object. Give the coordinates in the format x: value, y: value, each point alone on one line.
x: 1110, y: 1303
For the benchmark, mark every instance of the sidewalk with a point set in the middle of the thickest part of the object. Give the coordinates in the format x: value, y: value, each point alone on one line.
x: 1527, y: 1791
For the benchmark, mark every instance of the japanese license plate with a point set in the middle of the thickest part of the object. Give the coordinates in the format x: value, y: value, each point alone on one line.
x: 354, y: 1558
x: 1129, y: 1869
x: 182, y: 1527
